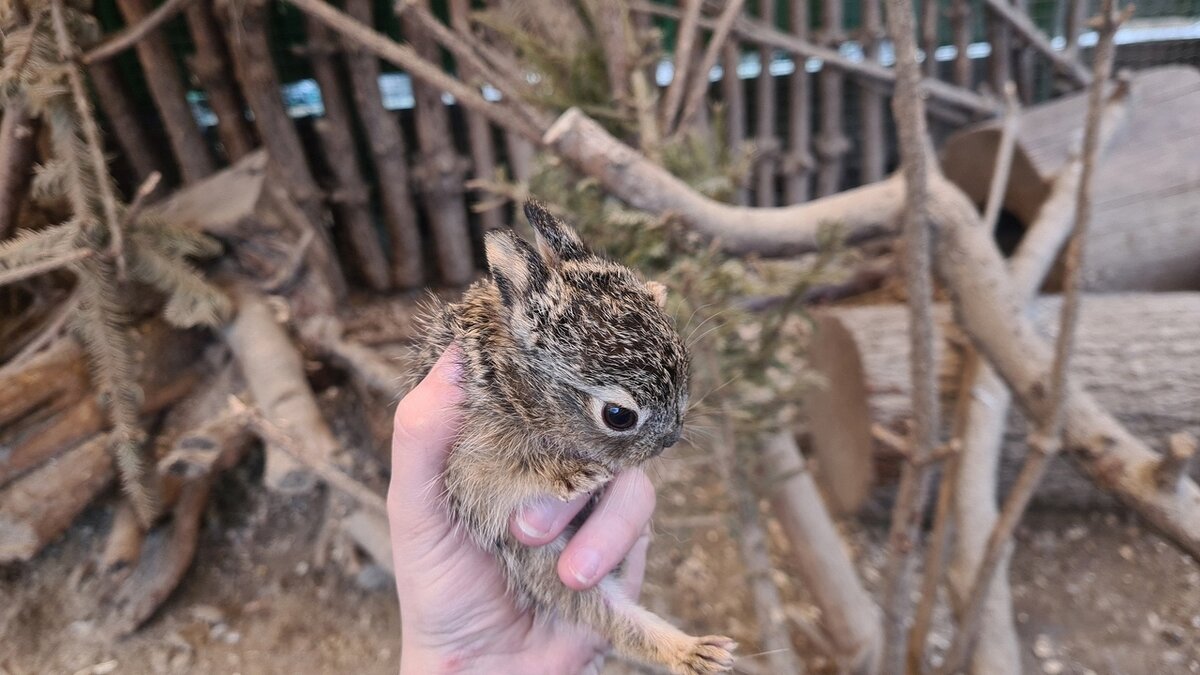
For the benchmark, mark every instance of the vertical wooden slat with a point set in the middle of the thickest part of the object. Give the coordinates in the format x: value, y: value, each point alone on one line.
x: 386, y: 142
x: 765, y: 138
x: 479, y: 131
x: 1000, y: 38
x: 874, y: 142
x: 113, y: 99
x: 1073, y: 23
x: 1024, y: 58
x: 929, y: 36
x: 348, y: 197
x: 441, y: 171
x: 170, y: 96
x: 685, y: 42
x: 960, y: 22
x: 832, y: 143
x: 799, y: 161
x: 734, y: 98
x: 211, y: 66
x: 255, y: 72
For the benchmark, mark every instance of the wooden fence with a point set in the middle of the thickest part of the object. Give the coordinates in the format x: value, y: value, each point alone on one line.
x: 805, y: 82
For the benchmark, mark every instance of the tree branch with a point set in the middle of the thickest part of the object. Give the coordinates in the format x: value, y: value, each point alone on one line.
x: 130, y: 35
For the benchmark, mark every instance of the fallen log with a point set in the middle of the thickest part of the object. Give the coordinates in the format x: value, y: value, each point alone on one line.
x: 167, y: 372
x: 1134, y: 356
x: 40, y: 506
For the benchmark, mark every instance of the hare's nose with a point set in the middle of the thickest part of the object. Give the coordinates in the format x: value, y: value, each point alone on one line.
x: 670, y: 439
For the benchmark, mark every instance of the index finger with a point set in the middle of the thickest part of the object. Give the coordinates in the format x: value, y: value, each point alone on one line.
x: 426, y: 423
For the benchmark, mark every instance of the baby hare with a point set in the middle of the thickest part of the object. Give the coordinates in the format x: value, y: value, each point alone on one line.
x: 571, y: 372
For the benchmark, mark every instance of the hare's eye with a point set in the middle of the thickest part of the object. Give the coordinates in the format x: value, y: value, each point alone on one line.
x: 618, y: 418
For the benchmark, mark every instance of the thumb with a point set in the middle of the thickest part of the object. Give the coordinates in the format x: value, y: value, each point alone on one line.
x: 426, y: 423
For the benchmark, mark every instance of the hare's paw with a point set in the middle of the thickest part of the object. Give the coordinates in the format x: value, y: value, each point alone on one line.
x: 708, y: 654
x: 579, y: 479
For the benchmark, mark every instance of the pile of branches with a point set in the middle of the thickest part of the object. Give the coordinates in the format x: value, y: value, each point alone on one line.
x: 626, y: 147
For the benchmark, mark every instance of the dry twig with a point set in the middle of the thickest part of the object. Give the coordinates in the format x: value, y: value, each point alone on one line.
x: 695, y: 95
x: 130, y: 35
x: 909, y: 112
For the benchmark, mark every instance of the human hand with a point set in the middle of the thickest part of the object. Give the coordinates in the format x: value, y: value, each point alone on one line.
x: 454, y: 608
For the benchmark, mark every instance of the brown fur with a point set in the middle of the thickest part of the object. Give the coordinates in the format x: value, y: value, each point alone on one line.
x: 556, y: 332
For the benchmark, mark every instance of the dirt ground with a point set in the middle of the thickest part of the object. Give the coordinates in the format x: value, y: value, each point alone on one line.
x: 1095, y: 593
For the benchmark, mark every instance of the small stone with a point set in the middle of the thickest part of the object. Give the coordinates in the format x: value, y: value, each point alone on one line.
x: 207, y: 613
x: 231, y: 637
x: 1053, y: 667
x: 1126, y: 552
x: 1173, y: 657
x: 302, y: 568
x: 1075, y: 533
x: 1043, y: 647
x: 1196, y: 621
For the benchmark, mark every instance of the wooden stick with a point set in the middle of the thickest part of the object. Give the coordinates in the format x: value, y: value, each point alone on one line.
x: 420, y: 68
x: 694, y: 99
x: 798, y: 163
x: 874, y: 139
x: 18, y: 150
x: 169, y: 95
x: 1008, y: 143
x: 685, y: 42
x: 1047, y: 441
x: 909, y: 113
x: 929, y: 37
x: 1029, y: 33
x: 211, y: 65
x: 133, y: 33
x: 386, y: 142
x: 441, y: 170
x: 960, y: 26
x: 41, y: 267
x: 123, y: 120
x: 767, y: 144
x: 832, y: 143
x: 753, y: 31
x: 479, y: 130
x: 733, y: 96
x: 848, y: 614
x: 348, y: 198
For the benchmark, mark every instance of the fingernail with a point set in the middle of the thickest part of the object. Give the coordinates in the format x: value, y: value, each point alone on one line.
x: 584, y: 565
x: 536, y: 519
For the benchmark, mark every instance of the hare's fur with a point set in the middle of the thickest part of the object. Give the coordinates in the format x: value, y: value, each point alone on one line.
x: 555, y: 332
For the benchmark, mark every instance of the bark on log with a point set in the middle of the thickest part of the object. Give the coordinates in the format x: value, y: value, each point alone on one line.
x: 111, y: 95
x: 441, y: 172
x: 168, y: 371
x: 387, y: 150
x: 274, y: 374
x: 211, y: 65
x: 857, y: 214
x: 18, y: 145
x: 348, y: 197
x: 170, y: 97
x: 1145, y: 186
x: 51, y: 379
x: 40, y: 506
x: 1134, y: 355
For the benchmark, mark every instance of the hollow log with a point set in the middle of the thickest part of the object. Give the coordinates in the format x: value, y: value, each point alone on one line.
x: 170, y: 96
x: 386, y: 142
x: 1146, y: 199
x: 40, y: 506
x: 1134, y: 355
x: 349, y: 197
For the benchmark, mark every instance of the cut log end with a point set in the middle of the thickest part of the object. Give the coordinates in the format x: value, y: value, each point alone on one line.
x: 839, y: 418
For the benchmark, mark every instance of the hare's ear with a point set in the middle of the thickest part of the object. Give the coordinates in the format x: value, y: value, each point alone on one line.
x: 556, y: 241
x: 515, y: 266
x: 658, y: 292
